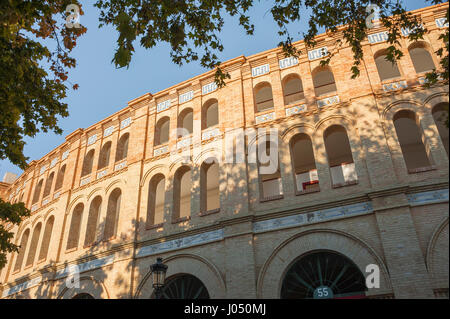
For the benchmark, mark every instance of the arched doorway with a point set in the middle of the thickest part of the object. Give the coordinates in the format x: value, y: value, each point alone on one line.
x: 83, y: 296
x: 323, y: 275
x: 184, y: 287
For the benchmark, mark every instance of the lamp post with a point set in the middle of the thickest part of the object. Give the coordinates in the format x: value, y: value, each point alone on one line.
x: 158, y: 271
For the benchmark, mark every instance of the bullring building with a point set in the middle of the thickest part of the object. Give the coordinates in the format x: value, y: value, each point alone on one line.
x: 360, y: 180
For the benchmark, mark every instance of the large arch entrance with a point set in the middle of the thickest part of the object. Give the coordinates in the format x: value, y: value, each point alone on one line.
x: 323, y: 275
x: 184, y: 287
x: 83, y: 295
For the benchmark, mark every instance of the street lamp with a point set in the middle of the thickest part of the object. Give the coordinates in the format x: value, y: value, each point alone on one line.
x: 158, y: 271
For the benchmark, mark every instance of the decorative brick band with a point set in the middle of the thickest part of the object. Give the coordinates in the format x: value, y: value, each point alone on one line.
x: 208, y: 88
x: 317, y: 53
x: 120, y: 166
x: 186, y: 97
x: 92, y: 139
x: 210, y: 134
x: 431, y: 197
x: 394, y: 86
x: 162, y: 106
x: 108, y: 131
x: 378, y: 37
x: 102, y: 173
x: 328, y: 101
x: 313, y: 217
x: 125, y: 122
x: 90, y: 265
x: 180, y: 243
x: 161, y: 150
x: 296, y: 109
x: 285, y: 63
x: 265, y: 118
x: 260, y: 70
x: 21, y: 287
x: 85, y: 181
x: 184, y: 143
x: 440, y: 23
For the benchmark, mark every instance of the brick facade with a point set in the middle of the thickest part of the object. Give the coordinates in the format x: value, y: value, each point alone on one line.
x: 390, y: 216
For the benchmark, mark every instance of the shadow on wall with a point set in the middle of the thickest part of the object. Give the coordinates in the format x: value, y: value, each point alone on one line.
x: 367, y: 141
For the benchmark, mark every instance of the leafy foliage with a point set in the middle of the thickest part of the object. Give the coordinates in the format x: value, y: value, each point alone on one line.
x: 9, y: 214
x: 30, y: 97
x: 192, y: 27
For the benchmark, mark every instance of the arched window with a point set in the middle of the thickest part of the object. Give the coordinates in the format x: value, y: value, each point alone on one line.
x: 421, y: 58
x: 323, y: 275
x: 83, y: 296
x: 162, y: 131
x: 112, y: 214
x: 46, y: 239
x: 304, y: 164
x: 184, y: 286
x: 209, y: 183
x: 340, y: 158
x: 122, y: 147
x: 210, y: 114
x: 182, y: 192
x: 37, y: 192
x: 75, y: 225
x: 48, y: 185
x: 87, y: 163
x: 269, y: 168
x: 92, y: 222
x: 22, y: 249
x: 103, y: 159
x: 411, y: 140
x: 263, y: 97
x: 292, y: 89
x: 440, y: 115
x: 156, y: 198
x: 323, y: 81
x: 185, y: 122
x: 33, y: 244
x: 60, y: 177
x: 386, y: 69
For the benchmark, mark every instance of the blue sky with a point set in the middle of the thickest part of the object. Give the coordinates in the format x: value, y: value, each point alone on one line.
x: 105, y: 89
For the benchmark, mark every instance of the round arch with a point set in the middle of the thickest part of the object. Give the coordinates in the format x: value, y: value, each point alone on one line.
x: 271, y: 276
x: 184, y: 286
x: 437, y: 254
x: 88, y: 285
x: 323, y: 274
x: 194, y: 265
